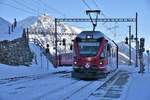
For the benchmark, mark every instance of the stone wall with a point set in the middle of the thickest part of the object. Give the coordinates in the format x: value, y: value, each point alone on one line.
x: 15, y: 52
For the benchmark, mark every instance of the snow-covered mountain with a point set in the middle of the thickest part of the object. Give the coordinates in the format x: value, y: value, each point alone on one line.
x: 4, y: 31
x: 27, y: 22
x: 45, y: 23
x: 4, y: 26
x: 42, y: 28
x: 124, y: 53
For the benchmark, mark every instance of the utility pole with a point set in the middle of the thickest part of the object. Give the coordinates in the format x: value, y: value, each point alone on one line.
x: 148, y: 59
x: 41, y: 59
x: 9, y: 29
x: 136, y: 39
x: 129, y: 45
x: 142, y: 49
x: 56, y: 58
x: 47, y: 52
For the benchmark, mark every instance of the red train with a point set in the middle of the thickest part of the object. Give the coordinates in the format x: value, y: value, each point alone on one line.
x: 65, y: 59
x: 94, y: 55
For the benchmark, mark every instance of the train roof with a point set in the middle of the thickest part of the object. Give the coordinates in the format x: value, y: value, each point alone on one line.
x: 95, y: 34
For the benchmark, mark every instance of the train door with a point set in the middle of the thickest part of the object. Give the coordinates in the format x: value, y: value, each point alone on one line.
x: 112, y: 59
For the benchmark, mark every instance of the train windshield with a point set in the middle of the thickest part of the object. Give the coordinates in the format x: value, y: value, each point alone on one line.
x: 88, y: 49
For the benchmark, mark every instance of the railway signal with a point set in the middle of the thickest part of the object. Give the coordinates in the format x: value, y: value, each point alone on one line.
x: 132, y: 37
x: 126, y: 40
x: 142, y: 42
x: 141, y: 50
x: 47, y: 48
x: 64, y: 41
x: 47, y: 51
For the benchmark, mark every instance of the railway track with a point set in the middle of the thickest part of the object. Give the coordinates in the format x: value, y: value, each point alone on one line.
x: 24, y: 79
x: 78, y: 88
x: 87, y: 90
x: 60, y: 86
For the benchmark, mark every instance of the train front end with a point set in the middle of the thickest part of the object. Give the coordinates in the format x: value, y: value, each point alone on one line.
x: 89, y: 55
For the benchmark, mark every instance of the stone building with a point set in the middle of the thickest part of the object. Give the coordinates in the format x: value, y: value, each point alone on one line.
x: 16, y: 52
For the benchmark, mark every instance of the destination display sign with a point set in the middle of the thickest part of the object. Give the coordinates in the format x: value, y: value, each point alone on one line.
x: 87, y: 39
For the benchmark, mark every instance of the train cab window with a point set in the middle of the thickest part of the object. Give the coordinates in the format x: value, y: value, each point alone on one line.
x: 88, y: 49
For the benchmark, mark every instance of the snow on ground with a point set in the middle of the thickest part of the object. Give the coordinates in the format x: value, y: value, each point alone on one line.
x: 7, y: 71
x: 28, y: 83
x: 46, y: 85
x: 50, y: 86
x: 138, y: 86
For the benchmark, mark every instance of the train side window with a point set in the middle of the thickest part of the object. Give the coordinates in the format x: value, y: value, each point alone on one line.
x: 104, y: 53
x: 108, y: 50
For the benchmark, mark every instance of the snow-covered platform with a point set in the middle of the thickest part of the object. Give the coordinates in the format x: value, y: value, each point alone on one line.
x: 138, y: 87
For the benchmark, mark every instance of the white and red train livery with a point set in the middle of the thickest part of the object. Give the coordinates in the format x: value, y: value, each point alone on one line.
x: 94, y: 54
x: 65, y: 59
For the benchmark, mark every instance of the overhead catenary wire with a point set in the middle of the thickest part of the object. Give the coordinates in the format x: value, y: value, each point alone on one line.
x: 24, y: 5
x: 51, y: 8
x: 96, y: 4
x: 17, y: 8
x: 86, y: 4
x: 104, y: 23
x: 32, y: 4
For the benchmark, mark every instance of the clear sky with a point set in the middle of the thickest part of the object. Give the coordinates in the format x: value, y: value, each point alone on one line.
x: 20, y: 9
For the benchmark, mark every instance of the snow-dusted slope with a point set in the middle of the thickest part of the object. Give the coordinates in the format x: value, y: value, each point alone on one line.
x: 4, y: 31
x: 43, y: 30
x: 124, y: 53
x: 41, y: 27
x: 27, y: 22
x: 45, y: 23
x: 4, y: 26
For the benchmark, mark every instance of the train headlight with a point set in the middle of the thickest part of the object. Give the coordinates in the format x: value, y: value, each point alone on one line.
x: 89, y: 36
x: 100, y: 62
x: 75, y: 62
